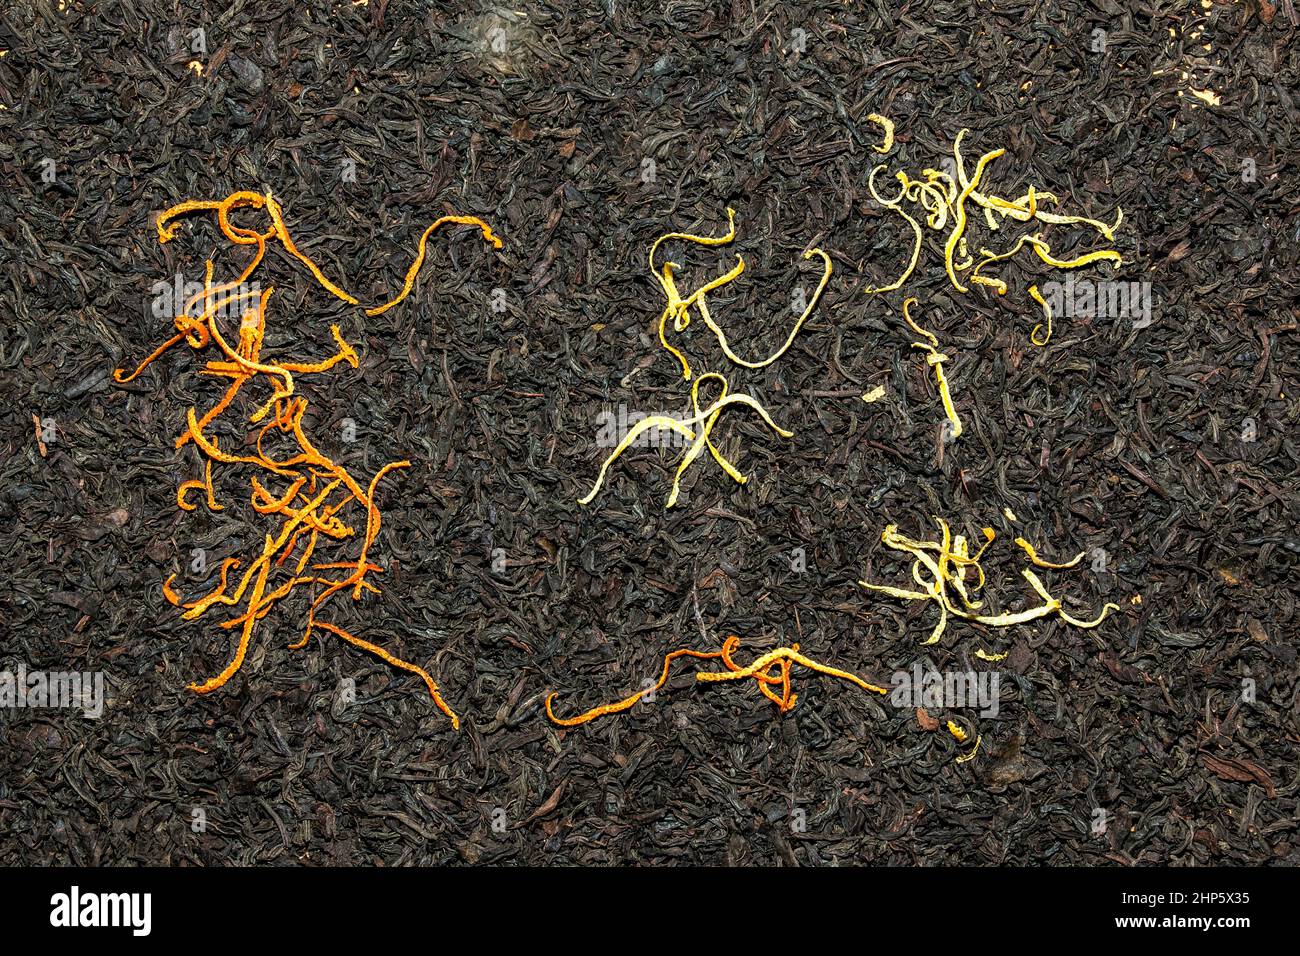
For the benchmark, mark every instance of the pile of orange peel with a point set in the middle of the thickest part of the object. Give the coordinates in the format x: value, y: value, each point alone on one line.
x: 951, y: 576
x: 678, y: 311
x: 309, y: 491
x: 769, y: 671
x: 942, y: 202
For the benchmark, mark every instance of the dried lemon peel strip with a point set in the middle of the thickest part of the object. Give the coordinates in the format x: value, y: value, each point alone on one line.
x: 808, y: 310
x: 698, y: 240
x: 896, y: 205
x: 936, y: 359
x: 1041, y: 333
x: 701, y: 437
x: 316, y: 489
x: 887, y: 125
x: 948, y: 568
x: 1033, y: 556
x: 678, y: 308
x: 767, y: 671
x: 959, y: 207
x: 681, y: 307
x: 973, y: 751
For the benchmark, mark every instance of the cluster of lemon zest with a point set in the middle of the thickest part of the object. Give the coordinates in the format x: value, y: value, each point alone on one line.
x: 941, y: 570
x: 945, y: 197
x: 699, y: 437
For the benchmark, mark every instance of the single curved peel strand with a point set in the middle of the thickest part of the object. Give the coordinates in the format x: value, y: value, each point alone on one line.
x: 936, y: 359
x: 315, y: 491
x: 887, y: 125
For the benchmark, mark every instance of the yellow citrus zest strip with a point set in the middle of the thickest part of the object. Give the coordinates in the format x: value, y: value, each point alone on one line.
x: 896, y: 205
x: 678, y: 308
x: 887, y: 125
x: 1042, y: 332
x: 812, y: 304
x: 936, y: 359
x: 1033, y: 556
x: 974, y: 750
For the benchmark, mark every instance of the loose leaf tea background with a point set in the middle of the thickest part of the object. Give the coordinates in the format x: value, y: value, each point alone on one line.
x: 1165, y: 451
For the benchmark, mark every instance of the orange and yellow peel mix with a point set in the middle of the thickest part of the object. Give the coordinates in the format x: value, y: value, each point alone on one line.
x: 307, y: 490
x: 770, y: 671
x: 948, y: 573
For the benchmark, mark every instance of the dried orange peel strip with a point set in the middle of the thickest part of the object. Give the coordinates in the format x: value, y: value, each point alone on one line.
x: 947, y: 568
x: 317, y: 490
x: 627, y: 702
x: 767, y: 671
